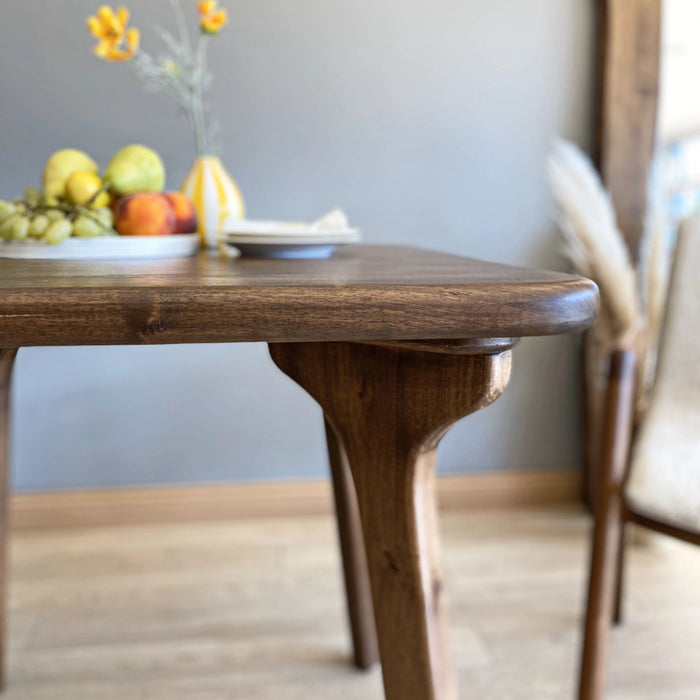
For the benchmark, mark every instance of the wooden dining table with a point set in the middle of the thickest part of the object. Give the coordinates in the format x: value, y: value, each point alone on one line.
x: 396, y: 344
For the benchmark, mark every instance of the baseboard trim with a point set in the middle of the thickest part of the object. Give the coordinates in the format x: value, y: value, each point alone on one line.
x: 97, y: 508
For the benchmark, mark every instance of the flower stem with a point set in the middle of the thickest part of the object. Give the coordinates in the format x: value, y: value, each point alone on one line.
x: 197, y: 102
x: 196, y: 107
x: 181, y: 23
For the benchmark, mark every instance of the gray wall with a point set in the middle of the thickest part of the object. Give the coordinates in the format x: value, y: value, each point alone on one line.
x: 427, y: 120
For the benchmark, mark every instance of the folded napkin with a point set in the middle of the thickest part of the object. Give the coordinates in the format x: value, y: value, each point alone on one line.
x: 332, y: 222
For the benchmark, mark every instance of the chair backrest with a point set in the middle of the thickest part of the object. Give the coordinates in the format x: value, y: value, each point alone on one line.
x: 679, y: 363
x: 664, y: 481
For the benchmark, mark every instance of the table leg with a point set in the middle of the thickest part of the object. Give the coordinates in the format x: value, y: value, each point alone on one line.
x: 7, y: 358
x: 357, y: 585
x: 389, y: 408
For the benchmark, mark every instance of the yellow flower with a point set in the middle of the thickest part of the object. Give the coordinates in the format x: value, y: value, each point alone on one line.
x: 211, y: 19
x: 115, y: 42
x: 169, y: 67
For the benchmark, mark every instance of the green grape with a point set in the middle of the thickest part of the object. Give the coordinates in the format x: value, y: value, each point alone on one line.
x: 6, y: 226
x: 58, y: 231
x: 20, y: 228
x: 32, y: 196
x: 105, y: 215
x: 86, y: 227
x: 38, y: 226
x: 7, y: 209
x: 55, y: 215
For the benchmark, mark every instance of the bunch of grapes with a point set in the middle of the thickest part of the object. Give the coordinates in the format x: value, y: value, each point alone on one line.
x: 31, y: 218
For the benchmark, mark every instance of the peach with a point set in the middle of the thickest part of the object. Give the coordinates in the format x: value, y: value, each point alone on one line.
x: 185, y: 213
x: 144, y: 214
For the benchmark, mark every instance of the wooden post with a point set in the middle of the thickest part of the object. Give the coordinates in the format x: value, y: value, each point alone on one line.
x: 629, y: 57
x: 629, y: 60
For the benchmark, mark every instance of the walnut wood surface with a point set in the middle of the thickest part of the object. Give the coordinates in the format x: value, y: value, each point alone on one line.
x: 362, y: 293
x: 464, y: 346
x: 608, y: 525
x: 7, y: 358
x: 352, y: 548
x: 197, y: 611
x: 628, y: 92
x: 629, y: 59
x: 661, y: 527
x: 389, y: 408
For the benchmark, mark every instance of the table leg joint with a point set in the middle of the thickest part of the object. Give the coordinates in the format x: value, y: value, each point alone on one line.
x: 389, y: 408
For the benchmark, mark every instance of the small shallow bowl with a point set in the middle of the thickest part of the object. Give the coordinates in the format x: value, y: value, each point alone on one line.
x: 273, y: 239
x: 289, y: 251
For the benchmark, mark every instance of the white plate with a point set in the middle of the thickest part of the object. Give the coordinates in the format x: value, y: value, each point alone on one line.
x: 283, y: 229
x: 107, y: 248
x: 276, y: 239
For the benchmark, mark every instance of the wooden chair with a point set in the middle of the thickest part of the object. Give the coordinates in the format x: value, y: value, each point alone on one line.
x: 657, y: 485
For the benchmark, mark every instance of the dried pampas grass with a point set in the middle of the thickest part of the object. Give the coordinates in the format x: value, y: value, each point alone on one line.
x: 594, y: 243
x: 633, y: 302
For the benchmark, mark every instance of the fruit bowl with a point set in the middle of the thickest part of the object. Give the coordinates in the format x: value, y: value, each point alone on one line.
x: 123, y: 214
x: 105, y: 248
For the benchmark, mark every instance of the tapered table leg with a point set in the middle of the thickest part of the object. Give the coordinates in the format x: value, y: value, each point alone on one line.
x: 7, y: 358
x: 352, y: 548
x: 389, y: 408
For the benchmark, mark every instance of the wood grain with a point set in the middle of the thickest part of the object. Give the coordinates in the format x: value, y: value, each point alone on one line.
x: 389, y: 408
x: 363, y: 293
x: 251, y: 610
x: 7, y: 358
x: 629, y: 60
x: 358, y: 591
x: 463, y: 346
x: 627, y: 104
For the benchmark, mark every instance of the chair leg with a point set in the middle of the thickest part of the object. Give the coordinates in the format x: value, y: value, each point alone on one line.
x: 389, y: 408
x: 7, y: 358
x: 607, y: 530
x: 352, y: 548
x: 620, y: 576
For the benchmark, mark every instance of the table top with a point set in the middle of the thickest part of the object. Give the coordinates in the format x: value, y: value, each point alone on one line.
x: 363, y: 293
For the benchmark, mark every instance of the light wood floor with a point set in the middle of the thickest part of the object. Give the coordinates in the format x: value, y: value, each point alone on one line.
x: 253, y: 610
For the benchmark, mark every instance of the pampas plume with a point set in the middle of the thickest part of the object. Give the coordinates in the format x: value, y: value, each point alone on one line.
x: 593, y: 241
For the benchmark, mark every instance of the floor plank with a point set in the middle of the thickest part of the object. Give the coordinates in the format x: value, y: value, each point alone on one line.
x: 252, y: 609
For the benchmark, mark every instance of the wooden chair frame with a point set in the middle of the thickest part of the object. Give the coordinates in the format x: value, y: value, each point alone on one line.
x: 605, y: 594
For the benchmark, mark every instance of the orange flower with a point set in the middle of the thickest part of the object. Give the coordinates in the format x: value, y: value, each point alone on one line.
x: 115, y: 41
x: 211, y: 19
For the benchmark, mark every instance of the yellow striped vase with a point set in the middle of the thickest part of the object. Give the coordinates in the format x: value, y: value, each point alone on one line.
x: 215, y: 195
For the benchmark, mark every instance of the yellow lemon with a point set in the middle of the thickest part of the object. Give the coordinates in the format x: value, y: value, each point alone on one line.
x: 82, y: 186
